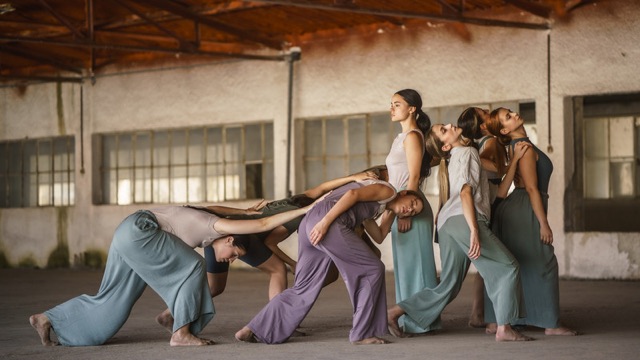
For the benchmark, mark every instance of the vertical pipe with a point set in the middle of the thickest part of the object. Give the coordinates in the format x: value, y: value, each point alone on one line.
x: 294, y: 55
x: 549, y: 146
x: 81, y: 129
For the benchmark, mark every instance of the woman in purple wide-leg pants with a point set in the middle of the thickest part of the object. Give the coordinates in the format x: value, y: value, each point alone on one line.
x: 360, y: 268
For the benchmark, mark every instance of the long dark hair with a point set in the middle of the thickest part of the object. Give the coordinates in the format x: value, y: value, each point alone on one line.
x: 423, y: 121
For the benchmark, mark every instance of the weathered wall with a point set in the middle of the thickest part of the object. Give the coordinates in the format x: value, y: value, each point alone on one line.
x: 596, y: 52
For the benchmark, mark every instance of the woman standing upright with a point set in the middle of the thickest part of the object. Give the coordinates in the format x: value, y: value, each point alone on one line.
x: 408, y: 165
x: 521, y: 223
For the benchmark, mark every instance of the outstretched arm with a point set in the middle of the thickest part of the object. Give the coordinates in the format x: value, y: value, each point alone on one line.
x: 228, y: 226
x: 226, y: 211
x: 327, y: 186
x: 375, y: 192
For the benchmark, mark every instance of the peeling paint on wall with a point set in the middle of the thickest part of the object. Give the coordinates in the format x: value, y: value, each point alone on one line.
x: 60, y: 108
x: 59, y: 257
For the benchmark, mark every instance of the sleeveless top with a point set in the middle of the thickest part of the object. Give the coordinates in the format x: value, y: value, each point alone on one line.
x: 544, y: 166
x: 481, y: 143
x: 396, y: 161
x: 359, y: 212
x: 193, y: 226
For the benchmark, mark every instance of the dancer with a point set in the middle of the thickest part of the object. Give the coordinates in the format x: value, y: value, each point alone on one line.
x: 327, y: 235
x: 408, y: 165
x: 462, y: 228
x: 521, y: 223
x: 472, y: 121
x: 155, y: 248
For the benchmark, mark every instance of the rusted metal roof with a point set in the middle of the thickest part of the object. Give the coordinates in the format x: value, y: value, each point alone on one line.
x: 73, y: 40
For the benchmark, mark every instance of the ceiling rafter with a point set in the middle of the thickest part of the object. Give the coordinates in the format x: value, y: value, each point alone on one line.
x: 188, y: 14
x: 63, y: 20
x: 410, y: 15
x: 39, y: 58
x: 183, y: 43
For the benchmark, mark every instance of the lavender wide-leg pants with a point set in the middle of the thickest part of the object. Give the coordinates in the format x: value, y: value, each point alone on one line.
x: 360, y: 269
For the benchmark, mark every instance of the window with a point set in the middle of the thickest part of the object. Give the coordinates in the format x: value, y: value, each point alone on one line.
x: 605, y: 190
x: 186, y: 165
x: 333, y: 147
x: 37, y: 172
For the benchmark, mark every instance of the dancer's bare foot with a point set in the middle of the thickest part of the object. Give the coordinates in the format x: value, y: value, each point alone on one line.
x: 491, y: 328
x: 371, y: 341
x: 182, y: 337
x: 561, y: 331
x: 165, y: 319
x: 393, y: 314
x: 245, y: 334
x: 41, y: 323
x: 507, y: 333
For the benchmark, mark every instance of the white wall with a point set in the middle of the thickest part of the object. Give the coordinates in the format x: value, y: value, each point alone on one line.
x: 597, y: 51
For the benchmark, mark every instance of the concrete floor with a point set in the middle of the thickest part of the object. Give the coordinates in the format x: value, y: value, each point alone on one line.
x: 607, y: 312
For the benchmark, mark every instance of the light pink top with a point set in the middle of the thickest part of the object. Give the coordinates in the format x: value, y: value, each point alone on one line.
x: 194, y: 227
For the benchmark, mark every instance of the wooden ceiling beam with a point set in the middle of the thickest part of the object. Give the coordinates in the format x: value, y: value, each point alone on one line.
x: 38, y: 78
x: 38, y: 58
x: 182, y: 43
x: 188, y: 14
x: 411, y: 15
x: 536, y: 9
x: 129, y: 48
x: 63, y: 20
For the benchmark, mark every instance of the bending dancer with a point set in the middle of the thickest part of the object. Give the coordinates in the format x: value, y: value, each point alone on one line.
x: 326, y: 235
x: 408, y: 165
x: 155, y: 248
x: 462, y: 228
x: 521, y: 223
x: 472, y: 121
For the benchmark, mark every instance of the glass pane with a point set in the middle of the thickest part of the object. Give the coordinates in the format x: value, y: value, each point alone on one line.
x: 142, y: 187
x: 108, y: 153
x: 434, y: 115
x: 313, y: 138
x: 381, y: 134
x: 622, y: 179
x: 215, y: 183
x: 268, y: 141
x: 3, y: 190
x: 142, y: 151
x: 314, y: 174
x: 253, y: 184
x: 357, y: 136
x: 196, y: 146
x: 214, y: 146
x: 60, y: 155
x: 232, y: 150
x: 253, y: 142
x: 161, y: 184
x: 336, y: 168
x: 450, y: 114
x: 357, y: 164
x: 334, y: 137
x: 233, y: 181
x: 125, y: 154
x: 108, y: 186
x: 15, y: 191
x: 31, y: 190
x: 30, y: 157
x: 44, y: 155
x: 125, y: 184
x: 268, y: 180
x: 195, y: 184
x: 178, y: 184
x: 161, y: 148
x: 596, y: 179
x: 179, y: 147
x: 596, y: 139
x: 621, y: 137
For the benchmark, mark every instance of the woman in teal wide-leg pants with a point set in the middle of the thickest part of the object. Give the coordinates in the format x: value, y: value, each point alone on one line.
x: 140, y: 254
